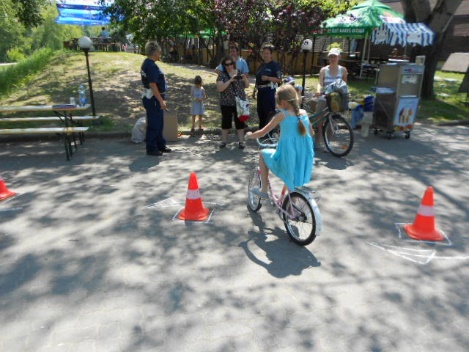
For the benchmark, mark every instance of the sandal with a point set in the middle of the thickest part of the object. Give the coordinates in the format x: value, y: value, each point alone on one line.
x: 241, y: 145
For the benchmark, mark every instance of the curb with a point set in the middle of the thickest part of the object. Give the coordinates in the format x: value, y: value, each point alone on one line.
x: 97, y: 135
x: 122, y: 134
x: 454, y: 123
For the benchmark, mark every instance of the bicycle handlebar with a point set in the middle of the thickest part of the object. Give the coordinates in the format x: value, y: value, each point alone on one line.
x: 271, y: 142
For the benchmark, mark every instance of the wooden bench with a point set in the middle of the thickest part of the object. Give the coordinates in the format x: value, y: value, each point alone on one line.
x: 66, y: 133
x: 45, y: 118
x: 71, y: 125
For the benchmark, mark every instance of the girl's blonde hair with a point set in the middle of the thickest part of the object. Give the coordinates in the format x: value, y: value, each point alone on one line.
x: 288, y: 93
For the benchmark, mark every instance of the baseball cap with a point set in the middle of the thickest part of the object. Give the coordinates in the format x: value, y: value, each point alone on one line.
x: 334, y: 51
x: 289, y: 80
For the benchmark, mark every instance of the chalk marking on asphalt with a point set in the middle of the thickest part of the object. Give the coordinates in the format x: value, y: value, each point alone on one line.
x: 170, y: 202
x: 419, y: 256
x: 9, y: 199
x: 415, y: 257
x: 11, y: 209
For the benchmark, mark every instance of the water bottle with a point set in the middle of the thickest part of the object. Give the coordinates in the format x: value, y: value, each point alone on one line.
x: 82, y: 95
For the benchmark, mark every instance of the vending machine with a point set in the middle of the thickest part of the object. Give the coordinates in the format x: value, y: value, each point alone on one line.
x: 397, y: 97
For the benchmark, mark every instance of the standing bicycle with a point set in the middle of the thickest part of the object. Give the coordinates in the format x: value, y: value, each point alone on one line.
x: 332, y: 84
x: 334, y: 129
x: 291, y: 161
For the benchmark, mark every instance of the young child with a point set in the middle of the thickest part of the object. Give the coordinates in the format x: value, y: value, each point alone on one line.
x: 292, y: 160
x: 197, y: 97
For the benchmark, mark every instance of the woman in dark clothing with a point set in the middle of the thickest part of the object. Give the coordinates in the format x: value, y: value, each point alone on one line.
x: 153, y: 99
x: 268, y: 77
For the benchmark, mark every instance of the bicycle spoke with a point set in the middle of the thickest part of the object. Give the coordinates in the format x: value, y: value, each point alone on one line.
x: 338, y: 135
x: 254, y: 202
x: 300, y: 221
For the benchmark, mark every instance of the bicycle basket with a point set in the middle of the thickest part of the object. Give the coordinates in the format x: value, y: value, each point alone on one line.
x: 334, y: 102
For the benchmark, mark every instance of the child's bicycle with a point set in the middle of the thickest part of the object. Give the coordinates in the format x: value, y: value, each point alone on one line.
x: 297, y: 209
x: 336, y: 131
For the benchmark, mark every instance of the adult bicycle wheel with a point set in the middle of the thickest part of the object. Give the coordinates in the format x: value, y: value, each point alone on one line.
x: 300, y: 220
x: 254, y: 202
x: 338, y: 135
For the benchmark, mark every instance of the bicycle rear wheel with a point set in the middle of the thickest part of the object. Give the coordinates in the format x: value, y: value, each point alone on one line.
x: 254, y: 202
x: 338, y: 135
x: 300, y: 220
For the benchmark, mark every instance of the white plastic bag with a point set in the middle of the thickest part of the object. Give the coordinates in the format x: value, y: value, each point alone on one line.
x: 139, y: 131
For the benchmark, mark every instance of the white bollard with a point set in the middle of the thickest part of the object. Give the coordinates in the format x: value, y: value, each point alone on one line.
x: 366, y: 122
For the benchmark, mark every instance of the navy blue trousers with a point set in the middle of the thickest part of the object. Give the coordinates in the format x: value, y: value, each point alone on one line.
x: 155, y: 124
x: 265, y: 105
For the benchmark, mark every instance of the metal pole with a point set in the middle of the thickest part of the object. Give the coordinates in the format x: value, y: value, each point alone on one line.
x: 305, y: 53
x: 89, y: 82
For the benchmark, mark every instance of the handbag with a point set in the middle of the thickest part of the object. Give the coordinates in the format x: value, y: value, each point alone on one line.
x: 242, y: 106
x: 242, y: 109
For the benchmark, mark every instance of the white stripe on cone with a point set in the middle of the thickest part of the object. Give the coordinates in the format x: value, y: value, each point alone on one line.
x: 193, y: 194
x: 426, y: 210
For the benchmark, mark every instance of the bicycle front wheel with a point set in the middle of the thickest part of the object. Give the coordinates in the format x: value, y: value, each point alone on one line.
x: 338, y: 135
x: 254, y: 202
x: 300, y: 220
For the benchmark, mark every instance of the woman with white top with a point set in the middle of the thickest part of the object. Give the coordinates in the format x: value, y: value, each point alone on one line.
x: 327, y: 75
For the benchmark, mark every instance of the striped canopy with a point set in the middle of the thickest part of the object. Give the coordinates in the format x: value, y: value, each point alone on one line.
x: 403, y: 34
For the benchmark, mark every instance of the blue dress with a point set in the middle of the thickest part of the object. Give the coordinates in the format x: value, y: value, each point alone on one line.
x: 197, y: 107
x: 292, y: 161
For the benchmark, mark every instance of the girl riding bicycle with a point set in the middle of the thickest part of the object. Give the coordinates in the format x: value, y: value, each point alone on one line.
x: 292, y: 160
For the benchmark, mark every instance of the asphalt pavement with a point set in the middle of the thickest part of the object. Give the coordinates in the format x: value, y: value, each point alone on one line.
x: 94, y: 258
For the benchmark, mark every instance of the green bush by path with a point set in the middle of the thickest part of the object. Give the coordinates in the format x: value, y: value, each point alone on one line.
x: 16, y: 76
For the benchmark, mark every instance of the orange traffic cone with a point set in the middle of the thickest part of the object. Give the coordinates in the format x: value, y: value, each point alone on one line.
x: 4, y: 191
x: 423, y: 227
x: 194, y: 209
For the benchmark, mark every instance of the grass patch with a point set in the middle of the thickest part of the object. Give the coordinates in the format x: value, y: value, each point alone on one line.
x: 117, y: 89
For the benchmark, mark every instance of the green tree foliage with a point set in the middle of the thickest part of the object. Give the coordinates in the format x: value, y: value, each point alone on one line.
x: 249, y: 22
x: 285, y: 23
x: 21, y: 40
x: 156, y: 19
x: 28, y: 12
x: 10, y: 31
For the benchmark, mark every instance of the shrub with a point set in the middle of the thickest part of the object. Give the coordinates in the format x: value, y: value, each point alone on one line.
x: 15, y: 55
x: 16, y: 75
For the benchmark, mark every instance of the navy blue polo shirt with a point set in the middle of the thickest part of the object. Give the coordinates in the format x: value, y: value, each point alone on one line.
x: 150, y: 72
x: 271, y: 69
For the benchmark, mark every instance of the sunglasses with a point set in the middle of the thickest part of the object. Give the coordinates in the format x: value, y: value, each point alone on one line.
x: 229, y: 63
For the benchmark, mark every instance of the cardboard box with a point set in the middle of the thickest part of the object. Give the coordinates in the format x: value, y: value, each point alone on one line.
x: 170, y: 130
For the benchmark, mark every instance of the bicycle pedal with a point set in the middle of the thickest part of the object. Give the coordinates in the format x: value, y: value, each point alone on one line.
x: 280, y: 214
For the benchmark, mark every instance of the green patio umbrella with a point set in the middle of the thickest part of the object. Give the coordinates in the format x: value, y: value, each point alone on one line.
x: 360, y: 20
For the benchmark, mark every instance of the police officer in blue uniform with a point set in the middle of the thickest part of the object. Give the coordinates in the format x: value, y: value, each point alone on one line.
x: 268, y: 77
x: 153, y: 99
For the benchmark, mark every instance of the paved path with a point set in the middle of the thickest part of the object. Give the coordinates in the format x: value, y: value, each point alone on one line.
x: 93, y: 259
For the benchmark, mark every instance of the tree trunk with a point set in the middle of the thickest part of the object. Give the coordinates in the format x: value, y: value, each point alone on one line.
x: 438, y: 20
